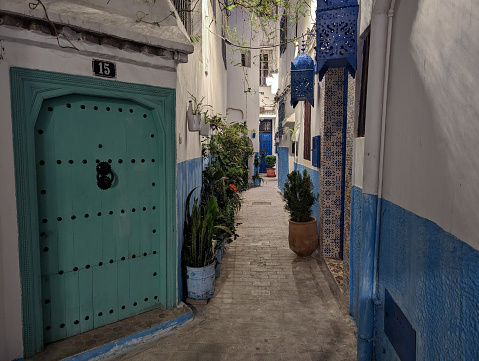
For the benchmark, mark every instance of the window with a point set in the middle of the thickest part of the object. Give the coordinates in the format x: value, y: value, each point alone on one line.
x: 264, y: 67
x: 307, y: 131
x: 246, y: 58
x: 265, y: 125
x: 364, y: 87
x: 184, y: 10
x: 283, y: 28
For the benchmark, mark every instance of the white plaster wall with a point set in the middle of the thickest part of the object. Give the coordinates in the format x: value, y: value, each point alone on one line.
x: 243, y: 82
x: 431, y: 162
x: 203, y: 76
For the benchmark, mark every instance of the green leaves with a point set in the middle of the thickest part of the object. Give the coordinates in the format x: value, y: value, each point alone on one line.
x: 199, y: 229
x: 298, y: 195
x: 228, y: 151
x: 270, y: 161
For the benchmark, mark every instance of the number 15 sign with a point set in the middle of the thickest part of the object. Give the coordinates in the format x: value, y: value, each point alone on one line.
x: 105, y: 69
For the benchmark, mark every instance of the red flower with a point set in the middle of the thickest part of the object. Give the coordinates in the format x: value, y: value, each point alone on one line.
x: 233, y: 188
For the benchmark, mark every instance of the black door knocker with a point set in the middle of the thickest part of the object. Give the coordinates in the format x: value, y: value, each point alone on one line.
x: 104, y: 175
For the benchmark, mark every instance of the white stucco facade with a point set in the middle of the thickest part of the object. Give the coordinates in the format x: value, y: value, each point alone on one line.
x: 430, y: 167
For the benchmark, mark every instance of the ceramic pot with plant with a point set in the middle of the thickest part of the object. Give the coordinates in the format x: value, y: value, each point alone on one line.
x: 199, y: 247
x: 210, y: 123
x: 299, y: 197
x: 270, y: 163
x: 194, y: 113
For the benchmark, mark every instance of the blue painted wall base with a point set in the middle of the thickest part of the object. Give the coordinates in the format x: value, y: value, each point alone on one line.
x: 432, y: 276
x: 124, y: 344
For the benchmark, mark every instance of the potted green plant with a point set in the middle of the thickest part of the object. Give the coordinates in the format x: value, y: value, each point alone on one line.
x: 270, y: 163
x: 199, y: 247
x: 195, y: 109
x: 210, y: 124
x: 299, y: 197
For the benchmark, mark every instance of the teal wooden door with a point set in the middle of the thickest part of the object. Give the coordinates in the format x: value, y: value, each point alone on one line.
x: 102, y: 252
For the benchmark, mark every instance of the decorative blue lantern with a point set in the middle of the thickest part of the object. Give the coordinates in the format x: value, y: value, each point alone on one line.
x: 336, y: 28
x: 302, y: 79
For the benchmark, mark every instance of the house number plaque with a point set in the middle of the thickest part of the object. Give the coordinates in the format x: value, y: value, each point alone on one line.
x: 105, y: 69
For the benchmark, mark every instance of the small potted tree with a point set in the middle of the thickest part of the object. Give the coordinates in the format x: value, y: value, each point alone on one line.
x: 270, y: 163
x: 299, y: 197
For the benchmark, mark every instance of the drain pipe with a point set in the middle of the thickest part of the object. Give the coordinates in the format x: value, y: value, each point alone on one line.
x: 381, y: 31
x: 376, y: 299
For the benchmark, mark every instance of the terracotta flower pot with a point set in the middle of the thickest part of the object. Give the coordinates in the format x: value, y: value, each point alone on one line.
x: 270, y: 172
x: 303, y: 237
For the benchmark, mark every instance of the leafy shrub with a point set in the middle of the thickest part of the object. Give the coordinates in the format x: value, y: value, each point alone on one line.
x: 298, y: 195
x: 270, y: 161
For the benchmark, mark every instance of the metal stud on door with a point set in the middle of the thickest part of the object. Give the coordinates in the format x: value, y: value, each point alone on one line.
x: 101, y: 213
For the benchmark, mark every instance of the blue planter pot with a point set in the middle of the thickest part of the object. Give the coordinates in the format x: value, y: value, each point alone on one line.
x: 201, y: 282
x: 257, y: 182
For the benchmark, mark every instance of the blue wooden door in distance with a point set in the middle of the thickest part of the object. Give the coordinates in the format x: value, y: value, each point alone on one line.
x: 265, y: 149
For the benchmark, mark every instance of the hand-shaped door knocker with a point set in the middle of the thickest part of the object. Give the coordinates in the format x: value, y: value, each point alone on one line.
x: 104, y: 175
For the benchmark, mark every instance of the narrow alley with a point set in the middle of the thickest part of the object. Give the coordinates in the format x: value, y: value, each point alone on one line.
x: 137, y: 137
x: 269, y: 304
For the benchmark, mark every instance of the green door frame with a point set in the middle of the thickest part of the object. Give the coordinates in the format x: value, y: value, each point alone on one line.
x: 29, y: 88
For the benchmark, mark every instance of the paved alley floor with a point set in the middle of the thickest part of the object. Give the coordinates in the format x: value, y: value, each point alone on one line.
x: 269, y: 304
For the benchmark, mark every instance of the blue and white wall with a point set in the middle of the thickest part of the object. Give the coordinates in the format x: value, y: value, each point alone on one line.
x: 205, y: 76
x: 427, y: 243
